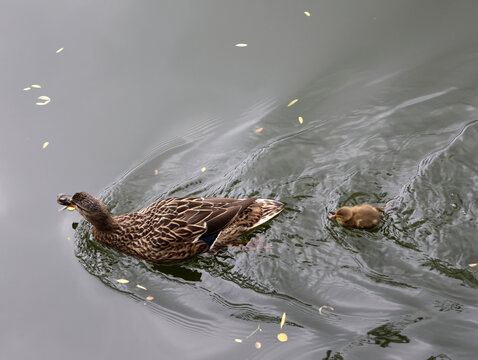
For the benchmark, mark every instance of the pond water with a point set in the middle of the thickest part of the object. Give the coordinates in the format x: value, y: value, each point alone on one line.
x: 146, y: 95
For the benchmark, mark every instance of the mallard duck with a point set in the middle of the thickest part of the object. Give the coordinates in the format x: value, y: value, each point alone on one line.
x: 173, y: 229
x: 363, y: 216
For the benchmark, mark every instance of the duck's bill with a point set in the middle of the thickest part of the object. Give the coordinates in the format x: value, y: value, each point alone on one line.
x: 65, y: 200
x: 331, y: 217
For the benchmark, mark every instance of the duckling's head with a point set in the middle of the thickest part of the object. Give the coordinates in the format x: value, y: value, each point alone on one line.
x: 90, y: 208
x: 342, y: 215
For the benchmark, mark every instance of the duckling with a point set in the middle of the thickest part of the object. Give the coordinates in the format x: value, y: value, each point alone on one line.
x: 363, y: 216
x: 174, y: 229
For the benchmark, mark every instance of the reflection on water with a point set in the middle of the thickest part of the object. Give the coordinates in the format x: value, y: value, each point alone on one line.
x: 406, y: 144
x: 388, y: 100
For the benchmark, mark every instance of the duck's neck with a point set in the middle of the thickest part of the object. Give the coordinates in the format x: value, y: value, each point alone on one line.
x: 103, y: 222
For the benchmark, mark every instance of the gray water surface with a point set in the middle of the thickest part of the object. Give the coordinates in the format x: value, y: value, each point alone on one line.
x: 146, y: 94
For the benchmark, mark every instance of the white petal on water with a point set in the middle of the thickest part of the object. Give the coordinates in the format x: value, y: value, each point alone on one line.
x: 45, y: 99
x: 325, y: 307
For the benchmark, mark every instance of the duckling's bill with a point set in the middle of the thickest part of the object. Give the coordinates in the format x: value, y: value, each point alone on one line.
x: 332, y: 217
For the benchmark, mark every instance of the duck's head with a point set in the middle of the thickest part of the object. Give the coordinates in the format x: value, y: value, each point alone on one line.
x: 89, y: 207
x: 342, y: 215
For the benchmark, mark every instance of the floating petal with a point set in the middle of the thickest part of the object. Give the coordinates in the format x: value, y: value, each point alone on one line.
x: 45, y: 99
x: 36, y: 86
x: 149, y: 298
x: 472, y: 265
x: 259, y: 130
x: 45, y: 144
x: 241, y: 45
x: 122, y: 281
x: 59, y: 50
x: 292, y: 102
x: 141, y: 287
x: 301, y: 119
x: 238, y: 340
x: 307, y: 13
x: 203, y: 169
x: 27, y: 88
x: 325, y: 307
x: 258, y: 345
x: 156, y: 172
x: 282, y: 337
x: 70, y: 208
x: 282, y: 321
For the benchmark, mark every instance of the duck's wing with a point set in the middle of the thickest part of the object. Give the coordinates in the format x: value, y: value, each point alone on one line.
x: 193, y: 219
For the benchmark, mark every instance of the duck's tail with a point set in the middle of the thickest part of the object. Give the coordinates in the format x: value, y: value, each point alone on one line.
x: 270, y: 208
x: 257, y: 213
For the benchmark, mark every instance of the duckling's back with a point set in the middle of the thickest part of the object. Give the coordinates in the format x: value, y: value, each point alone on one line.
x: 366, y: 216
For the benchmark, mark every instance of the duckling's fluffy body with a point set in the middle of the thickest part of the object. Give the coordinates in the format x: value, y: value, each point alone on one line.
x: 363, y: 216
x: 173, y: 229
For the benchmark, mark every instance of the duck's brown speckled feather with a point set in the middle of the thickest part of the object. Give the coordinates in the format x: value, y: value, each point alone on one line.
x: 173, y: 229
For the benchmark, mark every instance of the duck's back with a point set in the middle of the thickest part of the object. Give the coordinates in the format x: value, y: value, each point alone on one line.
x: 173, y: 229
x: 366, y: 216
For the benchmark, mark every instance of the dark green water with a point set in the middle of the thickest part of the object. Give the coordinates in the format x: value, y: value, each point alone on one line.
x: 388, y: 97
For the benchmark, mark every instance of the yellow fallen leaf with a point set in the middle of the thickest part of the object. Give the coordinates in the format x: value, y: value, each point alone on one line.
x: 70, y: 208
x: 282, y: 337
x: 241, y: 45
x: 45, y: 144
x: 301, y: 119
x: 156, y: 172
x: 36, y: 86
x: 292, y: 102
x: 141, y: 287
x: 59, y: 50
x: 472, y: 265
x: 307, y: 13
x: 259, y: 130
x: 26, y: 89
x: 325, y: 307
x: 45, y: 99
x: 203, y: 169
x: 149, y: 298
x: 258, y: 345
x: 122, y: 281
x: 238, y: 340
x: 282, y: 321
